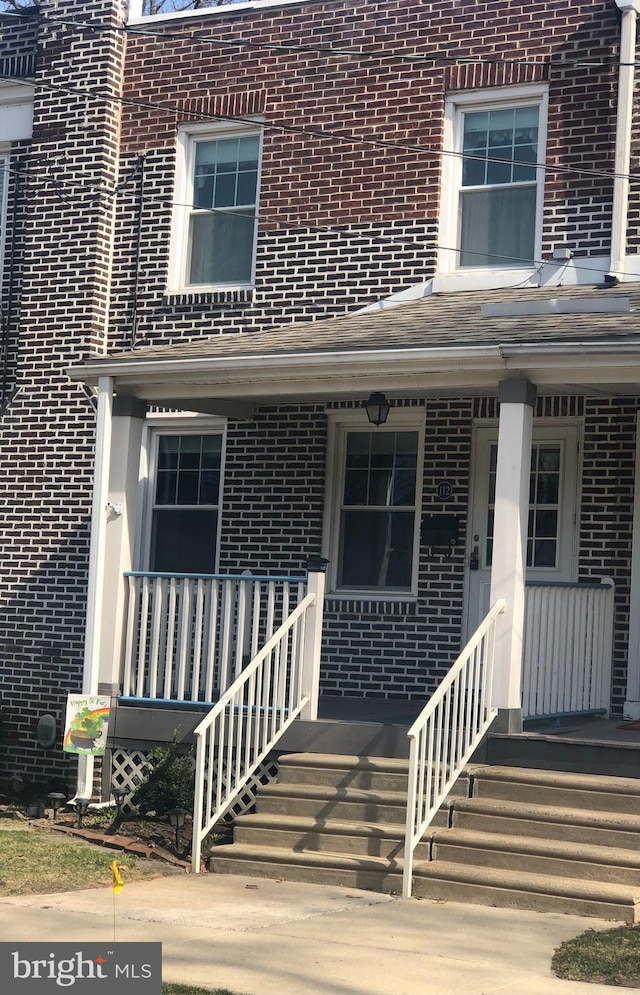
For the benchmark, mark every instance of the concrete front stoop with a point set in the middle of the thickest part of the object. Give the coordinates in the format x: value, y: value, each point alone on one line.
x: 547, y: 841
x: 329, y: 820
x: 511, y: 837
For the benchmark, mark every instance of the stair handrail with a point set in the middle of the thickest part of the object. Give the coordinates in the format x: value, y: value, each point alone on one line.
x: 447, y: 732
x: 261, y: 703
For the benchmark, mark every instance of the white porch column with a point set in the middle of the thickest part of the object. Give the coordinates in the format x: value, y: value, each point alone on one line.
x: 97, y: 549
x: 517, y: 399
x: 122, y: 506
x: 313, y: 639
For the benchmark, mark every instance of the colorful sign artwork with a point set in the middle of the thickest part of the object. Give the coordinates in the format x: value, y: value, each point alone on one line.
x: 85, y: 729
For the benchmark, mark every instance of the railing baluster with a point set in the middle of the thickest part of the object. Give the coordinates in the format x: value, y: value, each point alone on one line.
x: 198, y: 637
x: 568, y: 643
x: 131, y: 640
x: 142, y: 640
x: 172, y: 599
x: 432, y: 772
x: 248, y: 721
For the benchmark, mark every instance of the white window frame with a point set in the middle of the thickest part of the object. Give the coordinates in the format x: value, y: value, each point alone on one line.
x: 188, y: 138
x: 5, y: 166
x: 456, y: 105
x: 155, y: 427
x: 339, y: 424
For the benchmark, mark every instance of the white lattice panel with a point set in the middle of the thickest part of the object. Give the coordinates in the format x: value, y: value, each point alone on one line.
x: 128, y: 769
x: 265, y: 774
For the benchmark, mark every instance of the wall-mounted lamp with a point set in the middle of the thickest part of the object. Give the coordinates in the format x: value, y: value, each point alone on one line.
x: 377, y: 408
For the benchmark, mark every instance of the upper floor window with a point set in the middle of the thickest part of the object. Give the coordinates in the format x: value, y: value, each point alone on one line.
x: 216, y: 209
x: 493, y: 181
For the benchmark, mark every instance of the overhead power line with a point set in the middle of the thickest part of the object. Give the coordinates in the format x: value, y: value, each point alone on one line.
x: 379, y: 53
x: 340, y: 135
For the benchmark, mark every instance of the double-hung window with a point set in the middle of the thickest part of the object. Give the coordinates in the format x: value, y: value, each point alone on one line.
x: 372, y: 523
x: 215, y: 221
x: 493, y: 180
x: 185, y: 484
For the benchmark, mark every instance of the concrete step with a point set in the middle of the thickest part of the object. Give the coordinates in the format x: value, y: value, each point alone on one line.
x: 510, y: 818
x: 373, y: 873
x: 361, y: 773
x: 552, y: 858
x: 453, y: 882
x: 324, y: 836
x: 559, y: 788
x: 332, y: 803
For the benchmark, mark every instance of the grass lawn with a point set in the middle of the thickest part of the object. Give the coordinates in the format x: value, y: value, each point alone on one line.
x: 33, y: 862
x: 608, y: 958
x: 37, y: 863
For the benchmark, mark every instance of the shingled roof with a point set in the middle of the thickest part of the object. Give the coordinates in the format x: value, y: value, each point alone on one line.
x: 436, y: 321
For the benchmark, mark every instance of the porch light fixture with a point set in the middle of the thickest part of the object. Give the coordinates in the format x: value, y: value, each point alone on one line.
x: 176, y: 818
x: 377, y: 407
x: 81, y: 804
x: 57, y: 800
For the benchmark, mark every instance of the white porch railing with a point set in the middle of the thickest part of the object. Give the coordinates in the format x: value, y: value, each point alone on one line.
x: 568, y: 641
x: 251, y: 716
x: 189, y: 636
x: 446, y: 733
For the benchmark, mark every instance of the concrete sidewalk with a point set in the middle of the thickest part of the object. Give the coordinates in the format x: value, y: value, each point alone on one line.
x: 265, y: 937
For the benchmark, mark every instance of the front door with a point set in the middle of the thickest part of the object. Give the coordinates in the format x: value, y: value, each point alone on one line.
x: 551, y: 541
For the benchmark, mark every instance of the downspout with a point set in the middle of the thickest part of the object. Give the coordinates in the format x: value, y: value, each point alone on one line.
x: 97, y: 553
x: 628, y: 30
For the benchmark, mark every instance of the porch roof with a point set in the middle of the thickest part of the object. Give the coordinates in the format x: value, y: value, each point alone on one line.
x: 440, y: 343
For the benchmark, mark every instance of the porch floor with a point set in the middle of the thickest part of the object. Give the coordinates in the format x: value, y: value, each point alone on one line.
x: 587, y: 730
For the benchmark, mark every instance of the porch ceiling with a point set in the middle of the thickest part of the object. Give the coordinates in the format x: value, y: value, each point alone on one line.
x: 441, y: 344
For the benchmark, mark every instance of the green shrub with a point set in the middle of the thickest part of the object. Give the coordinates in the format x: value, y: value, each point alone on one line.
x: 168, y: 782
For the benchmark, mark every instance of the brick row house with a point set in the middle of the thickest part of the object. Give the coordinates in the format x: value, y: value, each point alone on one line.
x: 336, y: 301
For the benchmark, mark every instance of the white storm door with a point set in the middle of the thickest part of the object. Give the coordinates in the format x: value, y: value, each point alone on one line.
x: 553, y: 495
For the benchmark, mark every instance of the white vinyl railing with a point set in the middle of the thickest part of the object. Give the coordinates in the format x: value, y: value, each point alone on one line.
x: 188, y: 636
x: 568, y: 644
x: 446, y: 733
x: 250, y: 717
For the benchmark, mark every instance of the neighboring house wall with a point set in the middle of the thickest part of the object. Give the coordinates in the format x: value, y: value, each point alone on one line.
x: 61, y: 209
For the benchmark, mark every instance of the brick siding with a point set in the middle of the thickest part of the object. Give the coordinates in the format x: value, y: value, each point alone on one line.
x: 344, y: 222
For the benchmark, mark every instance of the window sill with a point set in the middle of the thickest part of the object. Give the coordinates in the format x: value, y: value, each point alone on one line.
x: 485, y: 279
x: 186, y: 298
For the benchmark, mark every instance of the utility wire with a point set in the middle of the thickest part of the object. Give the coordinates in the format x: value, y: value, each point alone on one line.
x: 341, y: 135
x: 379, y: 54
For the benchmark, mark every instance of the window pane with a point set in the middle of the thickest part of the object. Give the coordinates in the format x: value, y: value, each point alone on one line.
x: 188, y: 480
x: 355, y: 486
x: 376, y: 550
x: 221, y: 248
x: 166, y: 484
x: 184, y: 541
x: 168, y: 448
x: 509, y: 140
x: 188, y: 487
x: 497, y: 226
